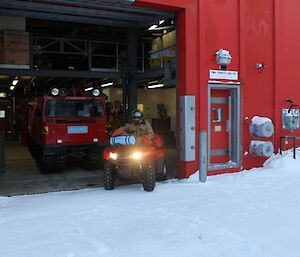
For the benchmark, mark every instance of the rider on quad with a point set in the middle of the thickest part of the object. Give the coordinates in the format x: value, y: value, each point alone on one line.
x: 139, y: 127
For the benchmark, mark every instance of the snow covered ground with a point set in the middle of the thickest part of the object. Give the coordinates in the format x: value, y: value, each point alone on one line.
x: 249, y: 214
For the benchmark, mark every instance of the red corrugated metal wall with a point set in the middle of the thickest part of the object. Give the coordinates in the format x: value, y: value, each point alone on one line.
x: 287, y: 45
x: 254, y: 32
x: 258, y: 85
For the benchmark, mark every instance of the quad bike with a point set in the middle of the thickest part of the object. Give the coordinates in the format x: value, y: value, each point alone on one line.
x: 128, y: 160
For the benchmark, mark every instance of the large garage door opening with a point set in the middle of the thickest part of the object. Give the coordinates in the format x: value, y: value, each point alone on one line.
x: 127, y: 52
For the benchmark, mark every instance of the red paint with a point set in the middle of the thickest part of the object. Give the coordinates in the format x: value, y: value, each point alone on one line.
x: 254, y: 32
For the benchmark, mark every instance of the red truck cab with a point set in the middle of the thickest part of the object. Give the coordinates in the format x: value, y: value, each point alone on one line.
x: 67, y: 126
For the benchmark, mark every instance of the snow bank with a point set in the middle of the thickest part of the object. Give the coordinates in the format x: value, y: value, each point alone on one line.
x: 284, y: 161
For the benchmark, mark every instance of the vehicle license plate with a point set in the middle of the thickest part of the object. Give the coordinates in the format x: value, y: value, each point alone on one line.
x: 77, y: 129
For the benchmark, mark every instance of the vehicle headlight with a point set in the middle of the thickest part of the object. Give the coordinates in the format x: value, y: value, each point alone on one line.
x: 113, y: 156
x: 96, y: 92
x: 54, y: 91
x: 136, y: 155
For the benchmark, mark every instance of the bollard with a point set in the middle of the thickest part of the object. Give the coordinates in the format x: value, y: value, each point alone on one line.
x: 203, y: 156
x: 2, y: 155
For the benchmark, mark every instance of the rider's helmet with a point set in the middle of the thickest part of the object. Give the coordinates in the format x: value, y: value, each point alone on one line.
x: 137, y: 116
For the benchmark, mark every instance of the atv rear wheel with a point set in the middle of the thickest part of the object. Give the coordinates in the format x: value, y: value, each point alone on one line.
x: 161, y: 169
x: 109, y: 176
x: 149, y: 178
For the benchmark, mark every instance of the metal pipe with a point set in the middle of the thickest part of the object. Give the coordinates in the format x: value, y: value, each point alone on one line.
x: 132, y: 65
x: 203, y: 156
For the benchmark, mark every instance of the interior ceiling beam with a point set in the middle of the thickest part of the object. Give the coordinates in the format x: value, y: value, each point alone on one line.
x: 70, y: 10
x: 68, y: 18
x: 61, y: 73
x: 120, y: 6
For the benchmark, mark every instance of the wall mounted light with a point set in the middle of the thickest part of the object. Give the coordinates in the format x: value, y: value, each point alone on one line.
x: 223, y: 58
x: 260, y: 66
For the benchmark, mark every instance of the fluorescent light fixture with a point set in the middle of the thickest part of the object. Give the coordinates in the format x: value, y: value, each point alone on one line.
x: 12, y: 88
x: 156, y: 86
x: 154, y: 26
x: 161, y: 22
x: 89, y: 89
x: 15, y: 82
x: 107, y: 84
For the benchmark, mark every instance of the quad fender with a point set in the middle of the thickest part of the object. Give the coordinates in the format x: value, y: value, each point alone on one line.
x: 118, y: 132
x: 158, y: 141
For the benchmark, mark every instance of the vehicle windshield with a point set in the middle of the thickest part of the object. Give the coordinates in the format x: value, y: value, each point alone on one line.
x: 74, y: 108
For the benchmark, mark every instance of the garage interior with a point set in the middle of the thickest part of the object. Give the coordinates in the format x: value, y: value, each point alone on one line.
x: 128, y: 51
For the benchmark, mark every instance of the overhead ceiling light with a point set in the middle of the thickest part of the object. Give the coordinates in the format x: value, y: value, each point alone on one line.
x: 156, y: 86
x: 107, y: 84
x: 12, y: 88
x: 15, y: 82
x: 154, y: 26
x: 88, y: 89
x: 161, y: 22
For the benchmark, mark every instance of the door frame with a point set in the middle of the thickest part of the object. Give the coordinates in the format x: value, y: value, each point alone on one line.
x: 234, y: 124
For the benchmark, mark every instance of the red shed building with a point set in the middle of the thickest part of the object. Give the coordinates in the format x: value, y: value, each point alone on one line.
x: 220, y: 101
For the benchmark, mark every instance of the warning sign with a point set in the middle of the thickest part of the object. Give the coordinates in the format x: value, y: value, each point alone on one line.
x: 223, y: 74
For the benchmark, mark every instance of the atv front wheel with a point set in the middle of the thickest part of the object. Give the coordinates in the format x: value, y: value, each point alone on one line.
x: 109, y: 176
x: 149, y: 178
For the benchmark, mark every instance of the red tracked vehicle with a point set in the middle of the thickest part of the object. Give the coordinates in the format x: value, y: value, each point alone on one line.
x: 67, y: 126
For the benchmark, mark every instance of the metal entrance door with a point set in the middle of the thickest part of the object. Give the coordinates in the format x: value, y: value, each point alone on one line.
x: 224, y: 126
x: 219, y: 126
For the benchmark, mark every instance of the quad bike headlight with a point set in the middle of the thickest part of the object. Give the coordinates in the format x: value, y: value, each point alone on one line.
x: 136, y: 155
x: 113, y: 156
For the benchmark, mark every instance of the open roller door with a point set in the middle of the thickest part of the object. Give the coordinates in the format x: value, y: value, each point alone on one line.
x: 127, y: 51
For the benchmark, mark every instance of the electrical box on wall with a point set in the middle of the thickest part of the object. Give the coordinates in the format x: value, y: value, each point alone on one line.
x: 187, y: 128
x: 290, y: 119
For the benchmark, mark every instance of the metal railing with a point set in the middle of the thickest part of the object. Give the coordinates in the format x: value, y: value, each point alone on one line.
x: 20, y: 50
